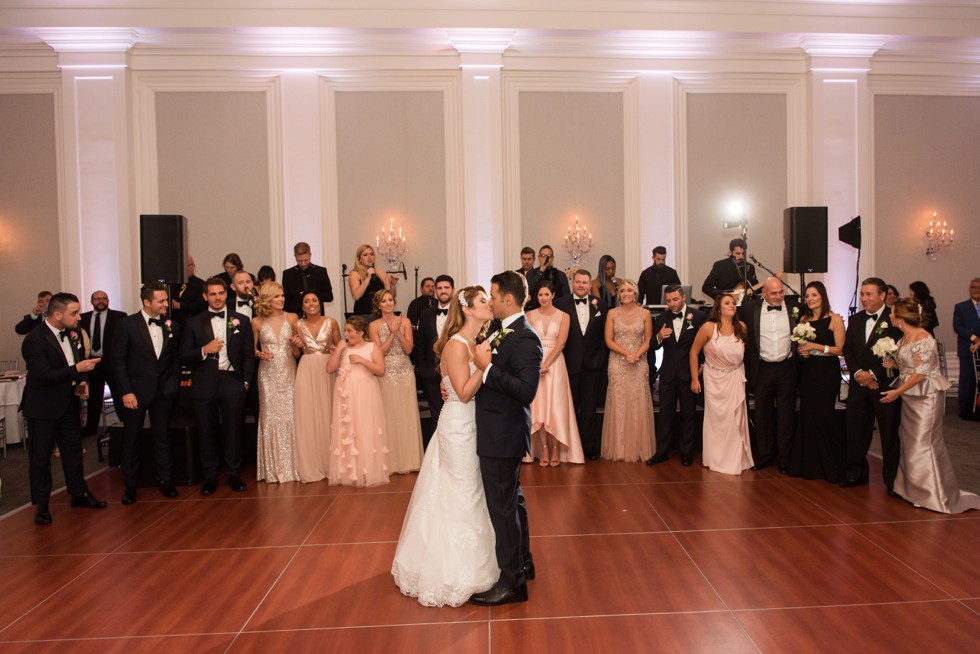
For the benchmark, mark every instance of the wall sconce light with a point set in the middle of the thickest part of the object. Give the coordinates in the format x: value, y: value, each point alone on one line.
x: 392, y: 246
x: 578, y: 243
x: 938, y: 235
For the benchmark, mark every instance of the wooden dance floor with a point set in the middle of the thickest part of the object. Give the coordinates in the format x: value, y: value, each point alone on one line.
x: 629, y: 559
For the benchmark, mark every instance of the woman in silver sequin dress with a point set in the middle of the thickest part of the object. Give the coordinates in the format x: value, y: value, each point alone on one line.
x: 393, y: 334
x: 314, y: 390
x: 273, y: 329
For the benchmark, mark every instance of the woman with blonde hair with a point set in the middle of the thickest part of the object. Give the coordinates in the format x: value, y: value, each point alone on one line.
x: 277, y: 349
x: 448, y: 506
x: 318, y: 335
x: 393, y: 335
x: 366, y: 280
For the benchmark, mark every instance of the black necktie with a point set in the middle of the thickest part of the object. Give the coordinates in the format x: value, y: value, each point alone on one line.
x: 157, y: 321
x: 97, y: 333
x: 873, y: 317
x: 581, y: 300
x: 772, y: 308
x: 217, y: 314
x: 442, y: 312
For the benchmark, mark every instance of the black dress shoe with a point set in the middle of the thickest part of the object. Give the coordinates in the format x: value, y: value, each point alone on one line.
x: 88, y: 501
x: 656, y: 458
x: 210, y: 485
x: 500, y: 595
x: 41, y: 515
x: 129, y: 496
x: 167, y: 489
x: 237, y: 484
x: 528, y: 570
x: 783, y: 470
x: 892, y: 493
x: 687, y: 461
x: 851, y: 483
x: 762, y: 465
x: 592, y: 457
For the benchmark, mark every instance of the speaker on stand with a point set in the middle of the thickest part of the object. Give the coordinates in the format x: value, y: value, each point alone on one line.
x: 163, y: 248
x: 805, y: 235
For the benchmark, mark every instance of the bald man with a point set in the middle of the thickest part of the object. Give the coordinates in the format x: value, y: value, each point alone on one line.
x: 100, y: 324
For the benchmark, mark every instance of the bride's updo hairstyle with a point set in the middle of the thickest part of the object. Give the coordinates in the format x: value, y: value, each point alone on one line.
x: 262, y: 305
x: 455, y: 318
x: 909, y: 310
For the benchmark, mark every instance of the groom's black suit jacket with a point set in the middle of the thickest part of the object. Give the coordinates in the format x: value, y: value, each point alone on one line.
x: 503, y: 403
x: 241, y: 349
x: 677, y: 348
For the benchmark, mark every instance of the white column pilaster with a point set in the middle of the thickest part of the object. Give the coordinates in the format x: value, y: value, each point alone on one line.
x: 655, y: 136
x: 302, y: 168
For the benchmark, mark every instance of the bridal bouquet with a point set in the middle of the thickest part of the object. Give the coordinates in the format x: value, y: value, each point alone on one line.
x: 803, y: 332
x: 885, y: 348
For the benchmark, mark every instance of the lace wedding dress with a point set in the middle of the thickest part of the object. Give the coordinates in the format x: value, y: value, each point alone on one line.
x: 445, y: 552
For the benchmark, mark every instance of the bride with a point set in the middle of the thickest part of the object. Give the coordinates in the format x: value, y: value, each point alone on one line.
x: 446, y: 552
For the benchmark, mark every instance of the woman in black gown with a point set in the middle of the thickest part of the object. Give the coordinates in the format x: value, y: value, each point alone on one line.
x: 820, y: 443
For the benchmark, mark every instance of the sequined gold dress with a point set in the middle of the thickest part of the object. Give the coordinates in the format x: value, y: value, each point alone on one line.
x: 276, y: 455
x: 314, y: 402
x: 627, y: 426
x: 401, y: 403
x: 925, y: 472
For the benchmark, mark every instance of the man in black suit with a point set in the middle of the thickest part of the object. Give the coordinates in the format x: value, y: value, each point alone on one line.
x: 546, y: 271
x: 144, y: 361
x: 654, y: 278
x: 302, y: 277
x: 726, y: 274
x: 585, y: 357
x: 527, y: 261
x: 57, y: 374
x: 674, y: 331
x: 219, y: 348
x: 966, y: 324
x: 426, y: 298
x: 511, y: 364
x: 186, y: 299
x: 36, y: 317
x: 431, y: 323
x: 100, y: 325
x: 868, y: 379
x: 770, y: 367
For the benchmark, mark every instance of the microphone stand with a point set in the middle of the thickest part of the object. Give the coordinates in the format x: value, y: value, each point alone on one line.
x: 343, y: 276
x: 761, y: 265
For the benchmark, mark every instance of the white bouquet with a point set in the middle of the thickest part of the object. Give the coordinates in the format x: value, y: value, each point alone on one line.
x: 885, y: 348
x: 803, y: 332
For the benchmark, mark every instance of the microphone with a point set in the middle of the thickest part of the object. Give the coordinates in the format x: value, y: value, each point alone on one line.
x: 754, y: 260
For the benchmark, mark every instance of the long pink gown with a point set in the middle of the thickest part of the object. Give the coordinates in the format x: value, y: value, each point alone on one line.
x: 552, y: 408
x: 627, y: 426
x: 358, y: 455
x: 726, y: 421
x: 313, y: 402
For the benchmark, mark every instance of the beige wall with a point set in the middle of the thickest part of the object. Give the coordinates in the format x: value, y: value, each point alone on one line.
x: 571, y: 148
x: 391, y: 162
x: 213, y: 168
x: 30, y: 256
x: 927, y: 158
x: 736, y: 149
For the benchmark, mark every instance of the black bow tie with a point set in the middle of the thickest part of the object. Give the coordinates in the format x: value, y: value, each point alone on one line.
x: 774, y: 308
x: 873, y: 317
x: 159, y: 321
x: 217, y: 314
x: 62, y: 334
x: 442, y: 312
x: 677, y: 316
x: 581, y: 300
x: 244, y: 303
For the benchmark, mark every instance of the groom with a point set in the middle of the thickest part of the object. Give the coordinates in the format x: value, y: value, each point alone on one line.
x: 511, y: 365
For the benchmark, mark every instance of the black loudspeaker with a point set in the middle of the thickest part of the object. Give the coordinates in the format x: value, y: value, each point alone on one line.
x: 851, y: 233
x: 805, y: 234
x: 163, y: 248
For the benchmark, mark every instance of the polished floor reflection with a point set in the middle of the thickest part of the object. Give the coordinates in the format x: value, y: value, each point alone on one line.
x: 629, y: 558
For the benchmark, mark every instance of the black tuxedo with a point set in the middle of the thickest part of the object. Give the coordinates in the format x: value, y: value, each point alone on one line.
x: 864, y: 404
x: 503, y: 436
x: 137, y: 370
x: 191, y: 297
x: 725, y: 275
x: 28, y: 323
x: 426, y: 338
x: 417, y: 306
x: 652, y: 281
x: 52, y: 412
x: 675, y: 379
x: 295, y: 282
x: 773, y: 384
x: 585, y: 358
x: 215, y: 391
x: 101, y: 375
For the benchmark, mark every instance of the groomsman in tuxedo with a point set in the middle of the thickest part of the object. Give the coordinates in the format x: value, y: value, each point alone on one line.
x: 244, y: 289
x: 145, y: 367
x: 57, y: 374
x: 302, y: 277
x: 674, y: 331
x: 431, y: 323
x: 100, y: 325
x: 187, y: 298
x: 36, y: 317
x: 585, y: 357
x: 219, y: 348
x: 770, y: 366
x: 868, y: 381
x: 966, y: 324
x: 729, y: 272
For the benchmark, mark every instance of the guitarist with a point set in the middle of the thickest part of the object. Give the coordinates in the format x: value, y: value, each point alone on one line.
x: 726, y: 274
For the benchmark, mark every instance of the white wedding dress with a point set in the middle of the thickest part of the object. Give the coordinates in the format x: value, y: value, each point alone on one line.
x: 446, y: 551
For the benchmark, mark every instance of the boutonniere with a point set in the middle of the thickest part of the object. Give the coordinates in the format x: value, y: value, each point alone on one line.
x: 795, y: 313
x: 75, y: 340
x: 169, y: 328
x: 233, y: 325
x: 880, y: 328
x: 688, y: 321
x: 501, y: 335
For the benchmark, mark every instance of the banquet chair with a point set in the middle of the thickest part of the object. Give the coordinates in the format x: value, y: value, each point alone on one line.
x: 9, y: 365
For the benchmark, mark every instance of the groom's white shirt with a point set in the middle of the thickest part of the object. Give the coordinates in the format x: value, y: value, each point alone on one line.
x: 504, y: 324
